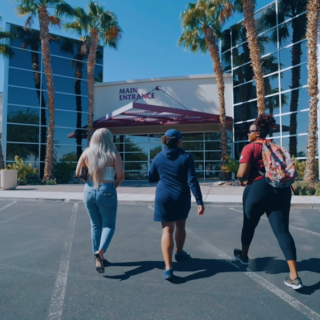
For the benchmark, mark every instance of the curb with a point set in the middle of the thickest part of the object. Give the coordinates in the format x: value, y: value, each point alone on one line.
x: 310, y: 206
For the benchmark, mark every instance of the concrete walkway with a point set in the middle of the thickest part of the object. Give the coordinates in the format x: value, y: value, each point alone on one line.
x: 142, y: 193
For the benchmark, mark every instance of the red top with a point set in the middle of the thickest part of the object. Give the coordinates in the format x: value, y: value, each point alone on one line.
x: 252, y: 154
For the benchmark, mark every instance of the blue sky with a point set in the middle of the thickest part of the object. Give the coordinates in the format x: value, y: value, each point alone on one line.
x: 148, y: 48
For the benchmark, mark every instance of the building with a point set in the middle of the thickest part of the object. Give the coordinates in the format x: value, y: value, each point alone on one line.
x: 281, y: 28
x: 138, y: 112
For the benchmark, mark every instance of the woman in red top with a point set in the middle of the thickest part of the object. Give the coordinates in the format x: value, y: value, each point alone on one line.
x: 260, y: 197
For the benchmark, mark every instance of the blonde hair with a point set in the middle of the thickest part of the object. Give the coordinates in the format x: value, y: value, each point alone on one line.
x: 100, y: 154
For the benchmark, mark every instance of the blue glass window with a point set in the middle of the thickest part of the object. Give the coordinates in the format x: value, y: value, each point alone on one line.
x: 294, y: 78
x: 295, y: 100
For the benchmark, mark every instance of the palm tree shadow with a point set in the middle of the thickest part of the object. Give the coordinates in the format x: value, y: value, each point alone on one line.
x: 201, y: 268
x: 271, y: 265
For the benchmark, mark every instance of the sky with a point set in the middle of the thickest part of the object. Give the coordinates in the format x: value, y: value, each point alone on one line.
x: 148, y: 48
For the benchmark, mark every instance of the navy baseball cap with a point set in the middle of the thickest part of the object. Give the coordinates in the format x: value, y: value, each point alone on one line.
x: 173, y: 133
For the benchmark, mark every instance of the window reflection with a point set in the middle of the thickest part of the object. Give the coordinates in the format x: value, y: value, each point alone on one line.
x: 69, y: 119
x: 295, y: 100
x: 25, y: 38
x: 272, y: 105
x: 69, y: 102
x: 240, y: 54
x: 226, y: 60
x: 293, y: 30
x: 239, y: 34
x: 245, y: 111
x: 241, y: 131
x: 293, y: 55
x: 136, y: 166
x: 141, y: 175
x: 238, y: 149
x: 197, y: 156
x: 26, y: 79
x: 269, y: 63
x: 294, y: 78
x: 98, y: 73
x: 242, y: 74
x: 61, y: 136
x: 266, y: 18
x: 297, y: 145
x: 75, y: 68
x: 288, y: 10
x: 155, y: 149
x: 27, y: 97
x: 193, y: 145
x: 28, y: 152
x: 268, y: 42
x: 67, y: 153
x: 295, y: 123
x: 213, y: 155
x: 25, y: 60
x: 26, y: 115
x: 136, y: 156
x: 226, y: 40
x: 245, y: 92
x: 271, y: 84
x: 67, y: 85
x: 18, y: 133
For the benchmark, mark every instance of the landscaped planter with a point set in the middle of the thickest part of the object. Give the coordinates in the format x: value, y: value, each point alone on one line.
x: 9, y: 179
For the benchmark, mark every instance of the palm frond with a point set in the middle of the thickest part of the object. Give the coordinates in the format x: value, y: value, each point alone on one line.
x: 54, y: 21
x: 6, y: 51
x: 74, y: 26
x: 6, y: 35
x: 93, y: 8
x: 64, y: 10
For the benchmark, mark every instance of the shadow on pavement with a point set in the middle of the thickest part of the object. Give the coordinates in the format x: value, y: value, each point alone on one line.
x: 202, y: 268
x: 271, y: 265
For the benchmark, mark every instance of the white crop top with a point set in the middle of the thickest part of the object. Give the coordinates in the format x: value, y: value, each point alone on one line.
x: 109, y: 174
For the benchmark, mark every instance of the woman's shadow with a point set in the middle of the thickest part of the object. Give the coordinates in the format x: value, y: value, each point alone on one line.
x: 202, y: 268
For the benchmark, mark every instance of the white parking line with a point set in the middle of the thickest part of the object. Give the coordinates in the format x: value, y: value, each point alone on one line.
x: 59, y: 291
x: 291, y: 226
x: 309, y: 313
x: 8, y: 205
x: 17, y: 216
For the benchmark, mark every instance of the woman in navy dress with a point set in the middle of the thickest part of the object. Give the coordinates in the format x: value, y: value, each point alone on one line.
x: 174, y: 169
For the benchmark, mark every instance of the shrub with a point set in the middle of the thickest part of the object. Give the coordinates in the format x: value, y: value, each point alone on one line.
x: 231, y: 165
x: 51, y: 182
x: 300, y: 168
x: 63, y: 172
x: 26, y: 173
x: 306, y: 189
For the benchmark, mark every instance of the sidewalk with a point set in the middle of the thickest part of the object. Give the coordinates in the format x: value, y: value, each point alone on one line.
x: 142, y: 193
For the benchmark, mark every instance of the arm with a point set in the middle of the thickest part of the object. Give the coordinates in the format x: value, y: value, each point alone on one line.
x: 81, y: 163
x: 153, y: 173
x: 194, y: 186
x: 243, y: 172
x: 119, y: 170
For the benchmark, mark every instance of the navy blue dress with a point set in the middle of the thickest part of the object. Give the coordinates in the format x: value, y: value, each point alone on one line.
x: 174, y: 169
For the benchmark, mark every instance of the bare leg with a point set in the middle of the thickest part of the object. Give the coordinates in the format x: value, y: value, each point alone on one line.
x: 245, y: 250
x: 180, y: 234
x: 100, y: 252
x: 293, y: 269
x: 167, y: 243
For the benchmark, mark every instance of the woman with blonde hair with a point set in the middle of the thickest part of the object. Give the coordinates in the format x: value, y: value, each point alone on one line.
x: 103, y: 161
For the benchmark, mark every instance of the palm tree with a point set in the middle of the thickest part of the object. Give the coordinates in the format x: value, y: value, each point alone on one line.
x: 40, y: 9
x: 5, y: 51
x: 310, y: 174
x: 201, y: 23
x: 250, y: 25
x: 96, y: 25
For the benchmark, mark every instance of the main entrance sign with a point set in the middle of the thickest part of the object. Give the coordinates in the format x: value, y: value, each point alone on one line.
x: 133, y: 94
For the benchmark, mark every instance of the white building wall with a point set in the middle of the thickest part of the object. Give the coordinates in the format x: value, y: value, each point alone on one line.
x: 197, y: 93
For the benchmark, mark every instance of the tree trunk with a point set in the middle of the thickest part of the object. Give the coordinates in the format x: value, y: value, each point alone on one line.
x: 217, y: 67
x: 310, y: 174
x: 249, y: 23
x: 44, y: 36
x: 91, y: 64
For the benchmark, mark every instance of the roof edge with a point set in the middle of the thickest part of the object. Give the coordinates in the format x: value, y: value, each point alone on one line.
x: 200, y: 76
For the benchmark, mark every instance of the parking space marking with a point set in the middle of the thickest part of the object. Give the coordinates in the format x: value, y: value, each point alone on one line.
x: 305, y: 310
x: 291, y: 226
x: 17, y: 216
x: 59, y: 291
x: 8, y: 205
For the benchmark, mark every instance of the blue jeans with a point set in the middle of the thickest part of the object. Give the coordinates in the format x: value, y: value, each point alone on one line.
x: 101, y: 204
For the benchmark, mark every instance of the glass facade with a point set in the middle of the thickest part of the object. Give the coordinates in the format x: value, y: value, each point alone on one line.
x: 27, y: 113
x: 282, y: 38
x: 138, y: 151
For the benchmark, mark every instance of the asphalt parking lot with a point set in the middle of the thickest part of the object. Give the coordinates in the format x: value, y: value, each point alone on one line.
x: 48, y: 271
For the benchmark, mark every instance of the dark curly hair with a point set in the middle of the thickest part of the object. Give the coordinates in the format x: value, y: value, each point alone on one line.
x: 169, y: 141
x: 264, y: 124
